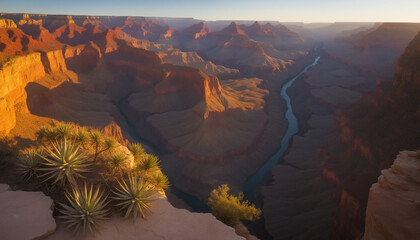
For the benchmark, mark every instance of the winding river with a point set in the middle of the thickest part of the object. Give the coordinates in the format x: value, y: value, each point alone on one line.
x: 252, y: 183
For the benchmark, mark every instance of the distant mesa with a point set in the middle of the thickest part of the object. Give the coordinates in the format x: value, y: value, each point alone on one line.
x: 230, y: 30
x: 197, y: 30
x: 7, y: 23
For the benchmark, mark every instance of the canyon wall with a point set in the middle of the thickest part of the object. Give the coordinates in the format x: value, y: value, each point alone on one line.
x: 371, y: 132
x: 14, y: 75
x: 393, y: 208
x: 20, y: 70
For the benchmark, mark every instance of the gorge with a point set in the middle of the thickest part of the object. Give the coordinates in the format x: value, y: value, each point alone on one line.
x: 301, y: 118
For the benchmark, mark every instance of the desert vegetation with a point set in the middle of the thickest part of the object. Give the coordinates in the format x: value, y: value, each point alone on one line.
x: 89, y: 174
x: 231, y: 209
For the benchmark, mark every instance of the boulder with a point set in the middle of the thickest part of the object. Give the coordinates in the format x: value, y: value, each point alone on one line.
x: 25, y: 215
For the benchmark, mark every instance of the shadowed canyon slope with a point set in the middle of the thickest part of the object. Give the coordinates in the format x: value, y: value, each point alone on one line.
x: 371, y: 132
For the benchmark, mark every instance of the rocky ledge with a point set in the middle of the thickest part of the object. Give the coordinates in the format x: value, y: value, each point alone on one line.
x: 165, y: 222
x: 393, y: 210
x: 28, y: 215
x: 25, y: 215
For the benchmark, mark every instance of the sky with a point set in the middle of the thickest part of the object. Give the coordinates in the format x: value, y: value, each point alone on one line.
x: 274, y: 10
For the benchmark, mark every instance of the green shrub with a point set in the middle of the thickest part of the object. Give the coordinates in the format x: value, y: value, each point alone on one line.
x: 135, y: 197
x: 8, y: 147
x: 64, y: 130
x: 82, y: 137
x: 149, y: 163
x: 64, y: 162
x: 160, y: 181
x: 101, y: 143
x: 30, y: 162
x: 87, y: 208
x: 117, y: 161
x: 46, y: 133
x: 231, y: 209
x: 137, y: 150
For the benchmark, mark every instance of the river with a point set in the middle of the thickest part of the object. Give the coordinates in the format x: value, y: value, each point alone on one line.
x: 254, y: 181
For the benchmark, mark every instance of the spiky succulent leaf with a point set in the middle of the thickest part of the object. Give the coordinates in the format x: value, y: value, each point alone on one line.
x: 82, y: 136
x: 117, y: 160
x: 64, y: 130
x: 135, y: 197
x: 87, y: 208
x: 64, y: 162
x: 46, y: 133
x: 161, y: 181
x: 29, y: 163
x: 110, y: 143
x: 149, y: 162
x: 137, y: 149
x: 96, y: 136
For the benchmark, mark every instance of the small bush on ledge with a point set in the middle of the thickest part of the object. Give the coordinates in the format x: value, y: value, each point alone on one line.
x: 231, y: 209
x: 68, y: 156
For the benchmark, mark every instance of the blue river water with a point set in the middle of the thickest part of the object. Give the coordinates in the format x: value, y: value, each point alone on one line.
x: 252, y: 183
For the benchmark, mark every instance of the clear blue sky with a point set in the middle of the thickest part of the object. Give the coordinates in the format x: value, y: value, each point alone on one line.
x: 281, y: 10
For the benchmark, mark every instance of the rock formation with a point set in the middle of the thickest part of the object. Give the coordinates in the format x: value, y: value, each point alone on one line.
x: 25, y: 215
x: 165, y: 222
x: 277, y: 35
x: 393, y: 208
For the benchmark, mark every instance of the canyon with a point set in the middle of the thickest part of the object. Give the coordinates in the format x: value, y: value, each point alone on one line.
x: 206, y: 97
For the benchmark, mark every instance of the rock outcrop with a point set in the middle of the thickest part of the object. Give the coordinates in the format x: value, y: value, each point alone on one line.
x: 14, y: 75
x: 165, y: 222
x: 7, y: 23
x: 25, y: 215
x: 393, y: 209
x: 192, y: 59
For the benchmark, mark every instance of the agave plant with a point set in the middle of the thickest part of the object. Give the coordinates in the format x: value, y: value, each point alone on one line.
x: 135, y: 197
x: 87, y: 208
x: 30, y: 162
x: 64, y: 162
x: 161, y: 181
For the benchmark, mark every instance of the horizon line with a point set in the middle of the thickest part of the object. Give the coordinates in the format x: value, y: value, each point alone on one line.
x: 204, y: 20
